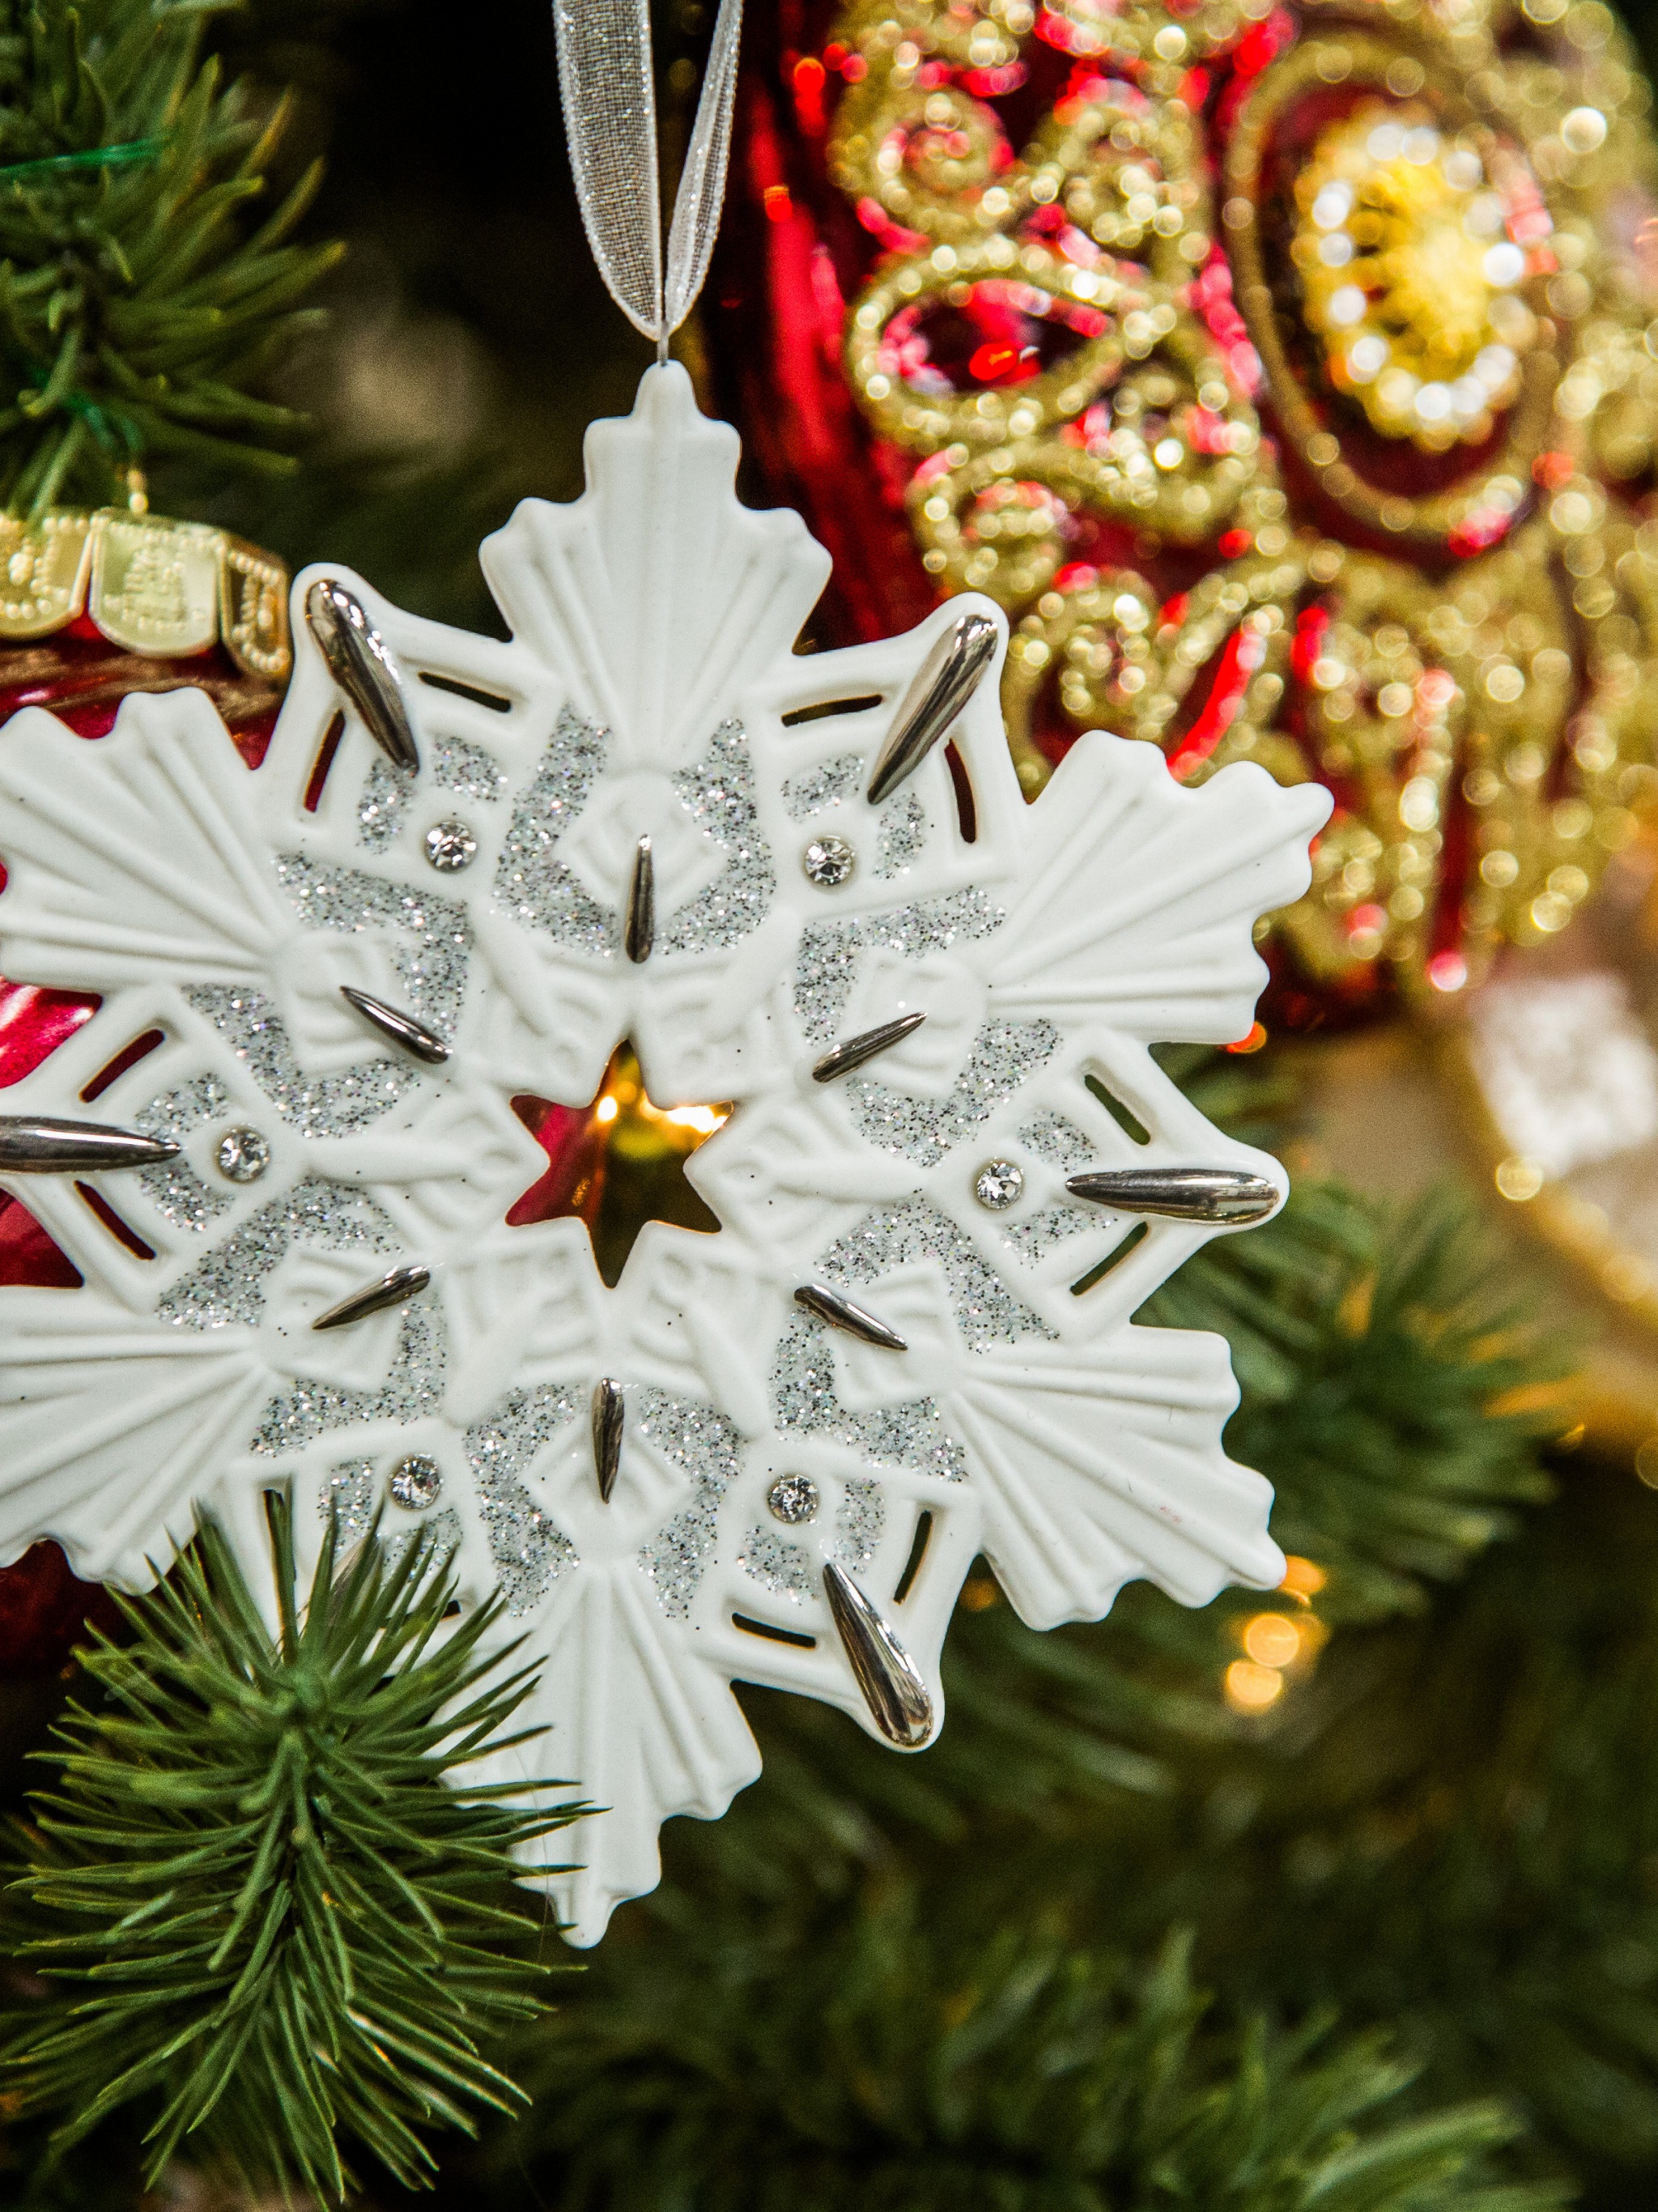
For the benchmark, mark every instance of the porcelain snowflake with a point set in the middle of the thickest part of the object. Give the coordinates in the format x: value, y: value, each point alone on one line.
x: 465, y: 870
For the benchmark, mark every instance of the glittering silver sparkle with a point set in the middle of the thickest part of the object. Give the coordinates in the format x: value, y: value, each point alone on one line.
x: 228, y: 1283
x: 718, y: 793
x: 858, y: 1522
x: 1052, y: 1138
x: 174, y: 1187
x: 829, y: 862
x: 348, y: 1492
x: 316, y: 1105
x: 902, y: 833
x: 783, y: 1568
x: 458, y: 765
x: 910, y: 1433
x: 703, y: 1443
x: 987, y: 1311
x: 1044, y: 1232
x: 530, y: 1550
x: 449, y: 847
x: 430, y: 937
x: 827, y: 957
x: 816, y: 788
x: 999, y: 1184
x: 792, y: 1498
x: 412, y: 1391
x: 1003, y: 1054
x: 414, y: 1482
x: 532, y: 883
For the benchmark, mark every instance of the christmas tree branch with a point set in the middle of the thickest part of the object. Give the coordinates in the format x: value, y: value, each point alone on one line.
x: 258, y: 1909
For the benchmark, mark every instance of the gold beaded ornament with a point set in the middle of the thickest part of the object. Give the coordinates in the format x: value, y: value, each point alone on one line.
x: 1320, y: 429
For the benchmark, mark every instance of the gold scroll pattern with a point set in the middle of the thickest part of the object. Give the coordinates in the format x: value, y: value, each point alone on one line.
x: 1467, y: 659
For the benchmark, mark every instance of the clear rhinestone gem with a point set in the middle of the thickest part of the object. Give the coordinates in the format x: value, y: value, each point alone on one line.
x: 794, y: 1498
x: 828, y: 862
x: 243, y: 1155
x: 415, y: 1482
x: 997, y: 1184
x: 449, y: 846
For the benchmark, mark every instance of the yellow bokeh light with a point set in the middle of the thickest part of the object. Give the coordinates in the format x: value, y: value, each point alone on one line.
x: 1272, y: 1640
x: 1250, y: 1687
x: 605, y: 1110
x: 1302, y: 1579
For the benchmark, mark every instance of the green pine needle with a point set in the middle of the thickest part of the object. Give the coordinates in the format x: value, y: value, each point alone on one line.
x: 136, y: 302
x: 259, y: 1907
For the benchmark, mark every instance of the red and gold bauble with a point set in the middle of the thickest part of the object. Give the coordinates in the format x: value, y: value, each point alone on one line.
x: 1290, y: 373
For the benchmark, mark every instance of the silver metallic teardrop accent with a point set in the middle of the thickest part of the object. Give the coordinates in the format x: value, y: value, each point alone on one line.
x: 30, y: 1144
x: 609, y: 1413
x: 638, y: 927
x: 1182, y: 1193
x: 842, y: 1059
x: 945, y: 681
x: 359, y: 661
x: 402, y: 1029
x: 898, y: 1699
x: 841, y: 1313
x: 390, y: 1290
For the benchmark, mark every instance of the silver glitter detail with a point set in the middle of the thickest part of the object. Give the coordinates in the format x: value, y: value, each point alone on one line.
x: 449, y: 847
x: 1051, y: 1137
x: 858, y: 1523
x: 431, y: 939
x: 987, y: 1311
x: 442, y: 1533
x: 792, y: 1498
x: 530, y: 1550
x: 174, y: 1187
x: 458, y: 765
x: 781, y: 1567
x: 414, y: 1482
x: 903, y: 824
x: 828, y: 950
x: 910, y: 1433
x: 1046, y: 1231
x: 999, y: 1184
x: 718, y: 793
x: 228, y: 1283
x: 829, y: 862
x: 532, y: 883
x: 412, y: 1391
x: 819, y: 788
x: 699, y: 1439
x: 317, y: 1106
x: 349, y: 1491
x: 243, y: 1155
x: 1003, y: 1055
x: 902, y: 834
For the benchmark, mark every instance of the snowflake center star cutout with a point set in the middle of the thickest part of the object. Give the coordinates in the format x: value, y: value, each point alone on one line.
x: 617, y: 1163
x: 318, y: 1249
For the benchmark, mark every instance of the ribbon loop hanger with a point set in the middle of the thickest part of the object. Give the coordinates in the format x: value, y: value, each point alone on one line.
x: 609, y: 95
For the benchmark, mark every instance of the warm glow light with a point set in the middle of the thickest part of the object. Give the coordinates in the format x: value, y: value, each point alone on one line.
x: 1272, y: 1639
x: 1251, y: 1687
x: 605, y: 1110
x: 704, y: 1119
x: 1302, y: 1577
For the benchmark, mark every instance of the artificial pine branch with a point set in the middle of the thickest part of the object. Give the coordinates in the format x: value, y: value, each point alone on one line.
x: 899, y: 2061
x: 135, y: 303
x: 262, y: 1910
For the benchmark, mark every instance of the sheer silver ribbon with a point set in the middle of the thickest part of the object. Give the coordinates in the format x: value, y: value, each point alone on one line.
x: 610, y: 118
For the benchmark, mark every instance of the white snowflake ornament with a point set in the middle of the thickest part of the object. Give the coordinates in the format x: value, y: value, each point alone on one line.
x: 465, y: 871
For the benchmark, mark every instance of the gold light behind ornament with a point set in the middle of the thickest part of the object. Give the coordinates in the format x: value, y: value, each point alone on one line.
x: 1449, y: 615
